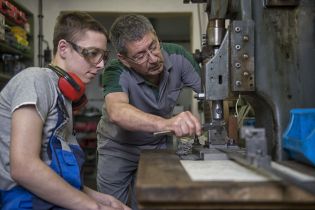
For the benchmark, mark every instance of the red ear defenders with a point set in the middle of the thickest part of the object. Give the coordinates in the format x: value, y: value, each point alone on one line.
x: 71, y: 86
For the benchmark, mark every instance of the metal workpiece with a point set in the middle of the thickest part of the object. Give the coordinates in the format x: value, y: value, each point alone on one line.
x: 242, y: 56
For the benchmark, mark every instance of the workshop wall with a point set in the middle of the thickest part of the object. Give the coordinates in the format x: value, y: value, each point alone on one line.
x: 51, y: 10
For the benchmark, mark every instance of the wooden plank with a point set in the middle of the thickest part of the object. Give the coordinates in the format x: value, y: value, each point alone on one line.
x: 162, y: 183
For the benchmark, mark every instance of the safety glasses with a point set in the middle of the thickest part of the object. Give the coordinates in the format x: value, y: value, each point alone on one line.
x: 92, y: 54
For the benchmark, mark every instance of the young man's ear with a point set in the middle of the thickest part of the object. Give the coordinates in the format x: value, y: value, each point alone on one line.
x: 123, y: 60
x: 62, y: 48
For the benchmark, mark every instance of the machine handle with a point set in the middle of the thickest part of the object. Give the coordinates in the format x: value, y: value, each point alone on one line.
x: 204, y: 127
x: 162, y: 133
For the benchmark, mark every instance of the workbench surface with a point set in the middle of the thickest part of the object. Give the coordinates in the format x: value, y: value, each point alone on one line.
x: 163, y: 183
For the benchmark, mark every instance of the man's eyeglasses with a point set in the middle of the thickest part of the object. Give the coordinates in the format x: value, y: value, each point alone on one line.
x: 143, y: 57
x: 92, y: 54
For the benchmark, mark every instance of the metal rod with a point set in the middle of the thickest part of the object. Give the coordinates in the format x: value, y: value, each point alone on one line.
x: 204, y: 127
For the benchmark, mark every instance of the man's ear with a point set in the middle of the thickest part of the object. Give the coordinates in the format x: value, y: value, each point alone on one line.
x: 62, y: 48
x: 123, y: 60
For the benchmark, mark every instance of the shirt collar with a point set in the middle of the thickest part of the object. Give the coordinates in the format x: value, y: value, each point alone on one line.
x: 167, y: 61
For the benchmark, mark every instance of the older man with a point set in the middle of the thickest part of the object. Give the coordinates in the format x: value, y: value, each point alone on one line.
x: 140, y: 90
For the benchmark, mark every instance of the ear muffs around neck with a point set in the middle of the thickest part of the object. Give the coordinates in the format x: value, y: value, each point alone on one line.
x: 70, y: 85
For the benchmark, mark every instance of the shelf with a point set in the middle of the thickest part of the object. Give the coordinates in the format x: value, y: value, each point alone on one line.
x: 6, y: 48
x: 19, y: 56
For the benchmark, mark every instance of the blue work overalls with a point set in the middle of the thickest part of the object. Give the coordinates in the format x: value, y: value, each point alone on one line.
x: 66, y: 160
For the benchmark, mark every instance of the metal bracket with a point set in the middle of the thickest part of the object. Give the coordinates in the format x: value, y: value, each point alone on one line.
x: 217, y: 73
x: 256, y: 146
x: 242, y: 56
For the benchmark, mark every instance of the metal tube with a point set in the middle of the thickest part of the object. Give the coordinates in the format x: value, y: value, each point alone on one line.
x: 246, y: 7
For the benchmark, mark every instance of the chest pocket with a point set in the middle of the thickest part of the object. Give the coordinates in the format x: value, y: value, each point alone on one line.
x: 66, y: 159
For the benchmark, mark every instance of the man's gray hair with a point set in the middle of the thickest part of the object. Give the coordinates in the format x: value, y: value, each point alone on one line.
x: 128, y: 28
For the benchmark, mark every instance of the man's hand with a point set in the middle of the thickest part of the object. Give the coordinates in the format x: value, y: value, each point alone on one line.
x: 184, y: 124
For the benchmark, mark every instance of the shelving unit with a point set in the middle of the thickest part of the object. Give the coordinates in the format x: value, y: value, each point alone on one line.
x: 16, y: 39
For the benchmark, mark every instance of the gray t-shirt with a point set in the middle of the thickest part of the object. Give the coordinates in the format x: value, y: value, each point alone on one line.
x: 32, y: 86
x: 180, y: 70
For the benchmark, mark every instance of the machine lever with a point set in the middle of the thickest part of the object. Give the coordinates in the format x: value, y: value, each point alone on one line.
x: 204, y: 127
x: 161, y: 133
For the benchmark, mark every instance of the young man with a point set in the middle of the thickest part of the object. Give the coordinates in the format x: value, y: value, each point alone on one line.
x: 140, y: 89
x: 41, y: 161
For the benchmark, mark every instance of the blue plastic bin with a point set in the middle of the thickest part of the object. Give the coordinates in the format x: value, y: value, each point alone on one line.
x: 299, y: 137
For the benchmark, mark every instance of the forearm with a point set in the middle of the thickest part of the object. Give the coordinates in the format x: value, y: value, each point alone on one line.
x: 29, y: 171
x: 92, y: 193
x: 131, y: 118
x: 100, y: 197
x: 46, y: 184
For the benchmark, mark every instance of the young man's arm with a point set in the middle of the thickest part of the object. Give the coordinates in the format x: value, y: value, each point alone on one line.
x: 28, y: 170
x: 105, y: 199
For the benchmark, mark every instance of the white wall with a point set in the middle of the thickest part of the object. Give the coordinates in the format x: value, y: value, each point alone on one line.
x: 51, y: 10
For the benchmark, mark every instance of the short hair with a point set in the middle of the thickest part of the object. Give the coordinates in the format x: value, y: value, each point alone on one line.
x: 71, y: 25
x: 128, y: 28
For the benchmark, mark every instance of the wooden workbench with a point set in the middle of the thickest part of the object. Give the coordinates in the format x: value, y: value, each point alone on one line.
x: 163, y: 183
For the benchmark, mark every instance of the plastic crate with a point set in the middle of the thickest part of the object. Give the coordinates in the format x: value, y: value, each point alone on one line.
x: 299, y: 137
